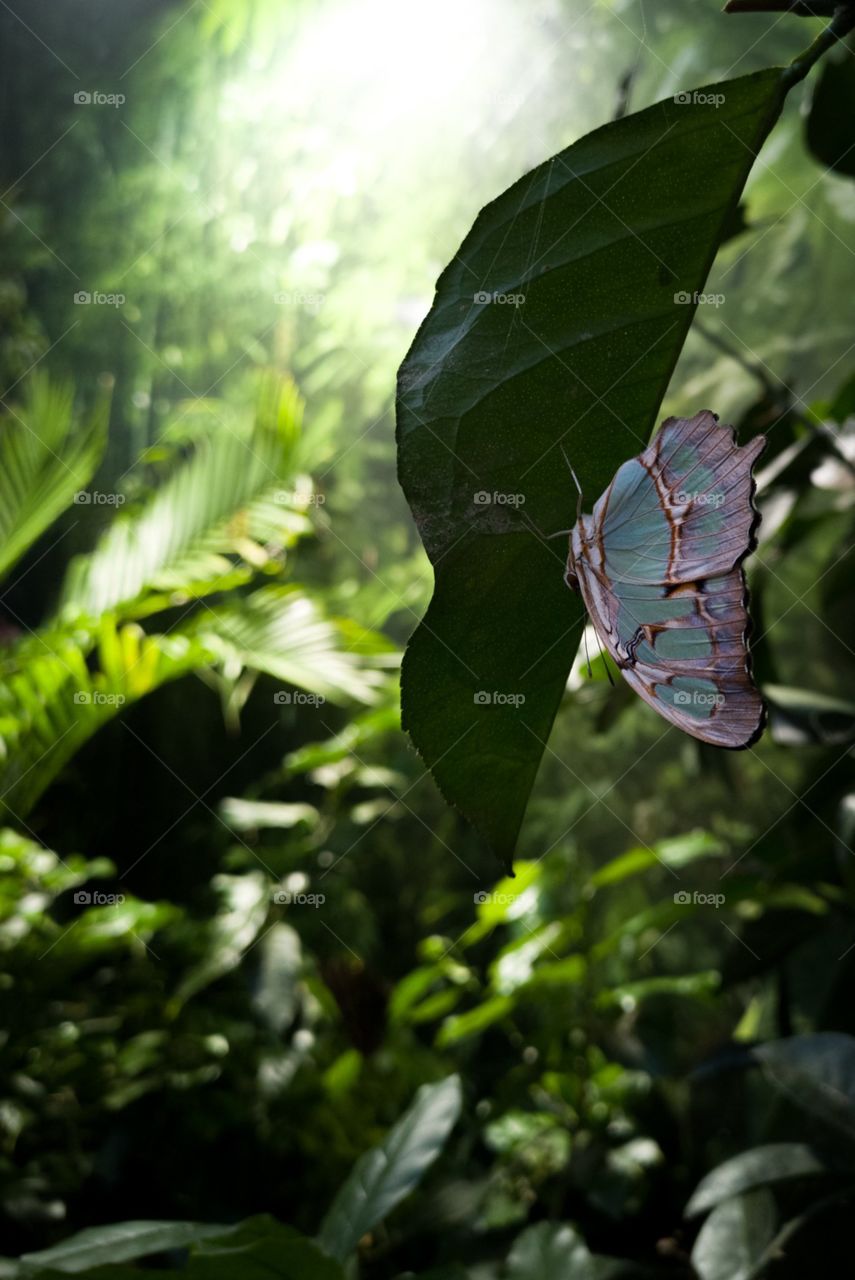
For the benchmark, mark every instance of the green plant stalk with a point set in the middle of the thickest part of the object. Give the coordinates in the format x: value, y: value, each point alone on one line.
x: 840, y: 27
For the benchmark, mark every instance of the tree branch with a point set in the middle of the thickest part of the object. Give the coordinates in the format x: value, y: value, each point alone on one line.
x: 802, y: 8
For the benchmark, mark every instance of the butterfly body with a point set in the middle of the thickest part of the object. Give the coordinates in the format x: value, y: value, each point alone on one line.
x: 659, y: 567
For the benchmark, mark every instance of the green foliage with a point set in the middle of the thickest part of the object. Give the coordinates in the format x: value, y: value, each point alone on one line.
x: 734, y: 1237
x: 178, y: 539
x: 552, y: 1251
x: 829, y: 130
x: 121, y: 1242
x: 240, y: 931
x: 259, y: 1247
x: 195, y: 535
x: 47, y: 457
x: 758, y: 1167
x: 381, y: 1178
x: 602, y: 292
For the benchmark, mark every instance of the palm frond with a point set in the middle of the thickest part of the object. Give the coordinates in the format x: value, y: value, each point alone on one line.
x: 180, y: 537
x: 47, y: 457
x: 57, y: 688
x: 281, y: 631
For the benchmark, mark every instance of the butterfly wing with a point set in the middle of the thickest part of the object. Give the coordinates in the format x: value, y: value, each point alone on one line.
x: 659, y: 568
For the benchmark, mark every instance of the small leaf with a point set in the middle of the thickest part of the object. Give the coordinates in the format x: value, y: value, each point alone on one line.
x: 550, y: 1251
x: 817, y: 1072
x: 280, y: 961
x: 462, y: 1025
x: 384, y: 1176
x: 774, y: 1162
x: 801, y: 717
x: 678, y: 851
x: 231, y: 932
x: 260, y: 1249
x: 734, y: 1236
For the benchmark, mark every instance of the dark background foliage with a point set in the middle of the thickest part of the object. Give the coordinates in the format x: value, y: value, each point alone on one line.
x: 273, y: 200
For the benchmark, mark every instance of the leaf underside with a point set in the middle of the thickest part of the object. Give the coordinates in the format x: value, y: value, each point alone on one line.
x: 588, y: 256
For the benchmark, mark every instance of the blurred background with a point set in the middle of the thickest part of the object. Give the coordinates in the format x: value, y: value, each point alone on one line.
x: 239, y: 927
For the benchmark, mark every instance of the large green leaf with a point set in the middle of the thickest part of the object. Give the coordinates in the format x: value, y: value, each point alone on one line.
x: 257, y: 1249
x: 117, y: 1242
x: 593, y: 261
x: 382, y: 1177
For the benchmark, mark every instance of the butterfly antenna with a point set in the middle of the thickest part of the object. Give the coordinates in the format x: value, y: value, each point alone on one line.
x: 575, y: 481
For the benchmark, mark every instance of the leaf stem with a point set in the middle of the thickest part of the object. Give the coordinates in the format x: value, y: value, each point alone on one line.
x: 841, y: 24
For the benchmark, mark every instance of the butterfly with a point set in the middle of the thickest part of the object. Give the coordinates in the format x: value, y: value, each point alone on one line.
x: 659, y: 567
